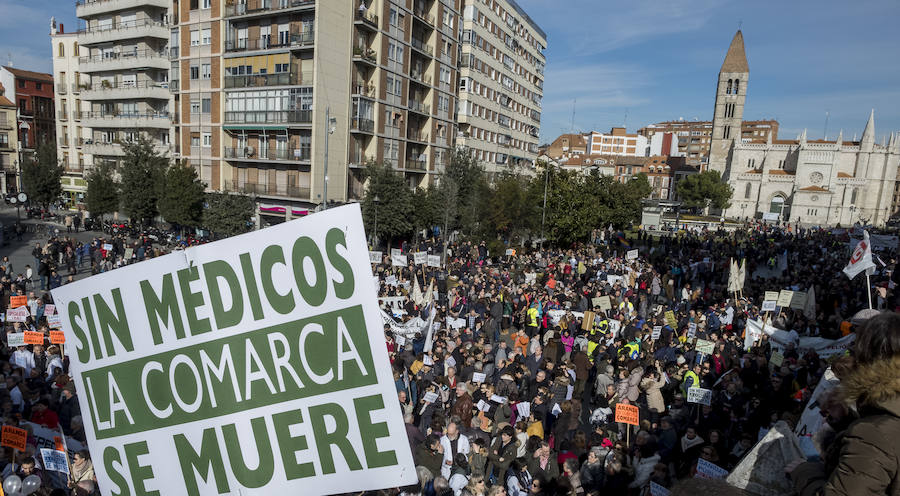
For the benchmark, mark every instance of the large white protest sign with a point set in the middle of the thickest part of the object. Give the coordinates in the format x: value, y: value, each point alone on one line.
x: 779, y: 339
x: 255, y: 365
x: 710, y: 470
x: 375, y: 257
x: 14, y: 339
x: 478, y: 377
x: 434, y: 260
x: 17, y: 314
x: 769, y: 306
x: 657, y: 490
x: 706, y: 347
x: 699, y: 395
x: 420, y: 257
x: 657, y: 330
x: 631, y: 255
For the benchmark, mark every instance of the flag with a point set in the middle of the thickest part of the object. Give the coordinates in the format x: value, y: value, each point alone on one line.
x: 809, y: 310
x: 742, y: 275
x: 417, y: 296
x: 861, y: 259
x: 732, y: 276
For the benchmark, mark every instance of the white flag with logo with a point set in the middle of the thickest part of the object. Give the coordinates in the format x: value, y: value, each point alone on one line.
x: 861, y: 259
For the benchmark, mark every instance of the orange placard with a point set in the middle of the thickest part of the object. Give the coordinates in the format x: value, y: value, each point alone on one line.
x: 57, y: 337
x: 32, y: 337
x: 58, y: 444
x: 13, y: 437
x: 627, y: 414
x: 18, y: 301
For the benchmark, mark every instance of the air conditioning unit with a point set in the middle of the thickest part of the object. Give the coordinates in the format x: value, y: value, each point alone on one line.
x: 249, y: 151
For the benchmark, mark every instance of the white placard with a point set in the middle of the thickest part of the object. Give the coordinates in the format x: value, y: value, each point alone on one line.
x: 483, y: 405
x: 657, y: 490
x: 294, y: 301
x: 710, y: 470
x: 434, y: 260
x: 17, y: 314
x: 478, y: 377
x: 420, y: 257
x: 398, y: 258
x: 498, y: 399
x: 524, y: 409
x: 699, y: 395
x: 631, y: 255
x: 430, y: 397
x: 657, y: 331
x: 14, y: 339
x: 375, y: 257
x: 55, y: 460
x: 768, y: 306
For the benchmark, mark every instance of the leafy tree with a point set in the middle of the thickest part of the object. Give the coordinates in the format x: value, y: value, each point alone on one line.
x: 513, y: 207
x: 703, y: 190
x: 143, y: 179
x: 227, y: 214
x: 182, y: 199
x: 472, y: 189
x: 102, y: 196
x: 394, y: 204
x: 41, y: 176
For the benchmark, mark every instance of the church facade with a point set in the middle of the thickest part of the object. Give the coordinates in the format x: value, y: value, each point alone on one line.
x: 811, y: 182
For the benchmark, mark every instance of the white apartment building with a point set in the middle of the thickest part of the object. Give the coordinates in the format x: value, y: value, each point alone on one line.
x: 617, y: 142
x: 501, y: 84
x: 70, y: 107
x: 124, y: 67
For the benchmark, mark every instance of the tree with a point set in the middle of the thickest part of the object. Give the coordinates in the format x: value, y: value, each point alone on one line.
x: 513, y: 207
x: 41, y: 176
x: 102, y: 190
x: 182, y: 199
x: 472, y: 190
x: 394, y: 206
x: 703, y: 190
x: 227, y: 214
x: 143, y: 179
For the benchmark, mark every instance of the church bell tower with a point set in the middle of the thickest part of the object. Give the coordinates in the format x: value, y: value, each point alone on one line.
x: 731, y: 93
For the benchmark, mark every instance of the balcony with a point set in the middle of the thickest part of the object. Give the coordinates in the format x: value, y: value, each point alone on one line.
x: 300, y: 39
x: 6, y: 124
x: 264, y: 117
x: 173, y: 53
x: 88, y: 8
x: 363, y: 90
x: 262, y: 80
x: 419, y: 107
x: 420, y: 14
x: 76, y: 88
x: 251, y: 154
x: 422, y: 47
x: 155, y: 120
x: 263, y: 7
x: 62, y: 115
x: 132, y: 59
x: 365, y: 55
x: 281, y: 190
x: 419, y: 165
x: 115, y: 149
x: 126, y: 90
x: 420, y: 78
x: 360, y: 125
x: 174, y: 85
x: 128, y: 30
x: 366, y: 20
x: 417, y: 136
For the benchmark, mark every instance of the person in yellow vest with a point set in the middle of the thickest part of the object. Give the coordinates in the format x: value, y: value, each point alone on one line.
x: 691, y: 379
x: 626, y: 307
x: 531, y: 320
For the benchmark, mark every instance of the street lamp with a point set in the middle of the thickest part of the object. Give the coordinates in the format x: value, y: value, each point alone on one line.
x: 375, y: 231
x: 330, y: 124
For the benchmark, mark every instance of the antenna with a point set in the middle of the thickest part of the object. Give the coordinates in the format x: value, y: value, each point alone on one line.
x: 740, y: 23
x: 825, y: 132
x: 574, y: 101
x: 625, y: 120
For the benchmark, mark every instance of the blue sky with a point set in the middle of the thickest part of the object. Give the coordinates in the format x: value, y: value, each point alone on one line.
x: 658, y: 60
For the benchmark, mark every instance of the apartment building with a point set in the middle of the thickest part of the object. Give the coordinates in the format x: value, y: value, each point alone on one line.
x: 694, y: 136
x: 270, y: 91
x: 617, y: 142
x: 124, y: 74
x: 9, y: 144
x: 32, y: 92
x: 70, y: 107
x: 501, y: 84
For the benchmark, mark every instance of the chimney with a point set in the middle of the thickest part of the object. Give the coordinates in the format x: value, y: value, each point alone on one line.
x: 62, y: 29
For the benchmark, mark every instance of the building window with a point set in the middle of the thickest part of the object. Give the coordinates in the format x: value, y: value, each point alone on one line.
x: 195, y: 106
x: 206, y: 35
x: 206, y: 139
x: 748, y: 190
x: 853, y: 196
x: 195, y: 38
x: 195, y: 140
x: 737, y: 86
x: 61, y: 50
x: 726, y: 133
x: 195, y: 72
x: 751, y: 162
x: 205, y: 71
x: 206, y: 4
x: 205, y: 104
x: 21, y: 83
x: 728, y: 90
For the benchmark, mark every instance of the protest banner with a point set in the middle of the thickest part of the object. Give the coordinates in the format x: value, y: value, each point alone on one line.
x: 478, y: 377
x: 420, y: 257
x: 398, y: 258
x: 776, y: 359
x: 13, y: 437
x: 499, y: 399
x: 692, y: 330
x: 706, y: 347
x: 266, y: 348
x: 49, y: 309
x: 430, y: 397
x: 57, y: 337
x: 784, y: 298
x: 14, y: 339
x: 55, y: 460
x: 510, y: 252
x: 771, y: 296
x: 375, y: 257
x: 523, y: 408
x: 761, y: 470
x: 17, y: 314
x: 18, y: 301
x: 107, y: 246
x: 798, y: 300
x: 54, y: 321
x: 587, y: 321
x: 52, y: 439
x: 605, y: 303
x: 769, y: 306
x: 699, y: 395
x: 631, y: 255
x: 671, y: 320
x: 657, y: 490
x: 779, y: 338
x: 434, y: 260
x: 34, y: 337
x: 709, y: 470
x: 657, y: 331
x: 627, y: 414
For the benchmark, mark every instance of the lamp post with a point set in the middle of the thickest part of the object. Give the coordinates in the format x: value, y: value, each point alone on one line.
x: 375, y: 231
x: 330, y: 124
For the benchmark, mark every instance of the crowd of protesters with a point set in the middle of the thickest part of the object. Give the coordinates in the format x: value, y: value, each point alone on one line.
x: 513, y: 391
x: 509, y: 329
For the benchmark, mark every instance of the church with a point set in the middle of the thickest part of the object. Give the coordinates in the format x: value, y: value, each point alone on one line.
x: 810, y: 182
